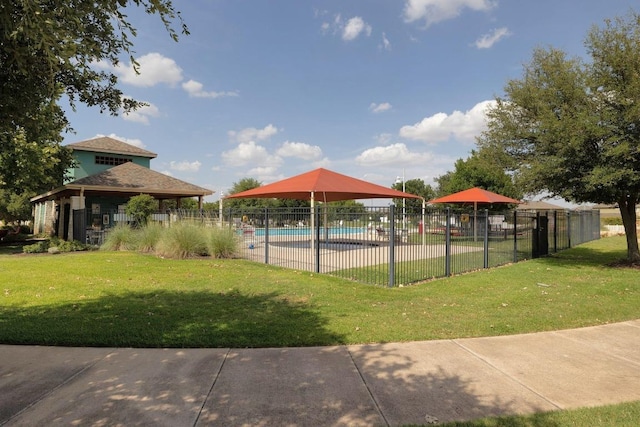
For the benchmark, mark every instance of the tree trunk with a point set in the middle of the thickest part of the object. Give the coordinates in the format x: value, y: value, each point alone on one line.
x: 628, y: 211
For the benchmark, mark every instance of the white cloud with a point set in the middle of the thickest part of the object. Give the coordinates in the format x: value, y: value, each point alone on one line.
x: 379, y: 108
x: 354, y: 27
x: 185, y: 166
x: 195, y: 90
x: 263, y: 173
x: 440, y: 127
x: 249, y: 152
x: 154, y: 69
x: 142, y: 114
x: 383, y: 138
x: 386, y: 44
x: 488, y: 40
x: 135, y: 142
x: 434, y: 11
x: 300, y: 150
x: 392, y: 155
x: 253, y: 134
x: 348, y: 31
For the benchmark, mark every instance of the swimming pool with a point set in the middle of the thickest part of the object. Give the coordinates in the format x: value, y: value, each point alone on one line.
x: 335, y: 245
x: 306, y: 231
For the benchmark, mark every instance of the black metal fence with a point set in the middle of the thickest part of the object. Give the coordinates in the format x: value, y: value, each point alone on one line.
x: 388, y: 247
x: 384, y: 246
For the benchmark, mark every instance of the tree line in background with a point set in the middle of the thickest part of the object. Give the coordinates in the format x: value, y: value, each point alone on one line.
x: 567, y: 127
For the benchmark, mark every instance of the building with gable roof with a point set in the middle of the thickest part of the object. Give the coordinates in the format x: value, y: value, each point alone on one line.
x: 108, y: 172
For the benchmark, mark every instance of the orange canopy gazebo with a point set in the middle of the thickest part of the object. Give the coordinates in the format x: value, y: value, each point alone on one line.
x: 322, y: 185
x: 475, y: 195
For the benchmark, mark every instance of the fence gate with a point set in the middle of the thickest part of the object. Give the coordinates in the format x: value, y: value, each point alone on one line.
x: 540, y: 244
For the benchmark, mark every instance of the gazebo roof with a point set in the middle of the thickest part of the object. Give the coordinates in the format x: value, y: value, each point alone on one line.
x: 105, y: 144
x: 322, y: 185
x: 128, y: 179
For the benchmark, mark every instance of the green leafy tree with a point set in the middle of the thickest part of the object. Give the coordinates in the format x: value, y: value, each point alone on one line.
x: 140, y: 208
x: 478, y: 170
x: 49, y: 49
x: 28, y: 168
x: 571, y: 128
x: 53, y: 46
x: 419, y: 188
x: 252, y: 204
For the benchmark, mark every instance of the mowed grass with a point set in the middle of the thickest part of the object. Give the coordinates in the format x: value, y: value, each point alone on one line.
x: 141, y: 300
x: 621, y: 415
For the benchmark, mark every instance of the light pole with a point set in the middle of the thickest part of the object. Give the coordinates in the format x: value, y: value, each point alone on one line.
x: 220, y: 207
x: 398, y: 181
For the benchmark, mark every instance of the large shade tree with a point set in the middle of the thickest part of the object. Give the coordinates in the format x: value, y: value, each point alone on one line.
x: 572, y: 127
x: 49, y: 49
x: 479, y: 170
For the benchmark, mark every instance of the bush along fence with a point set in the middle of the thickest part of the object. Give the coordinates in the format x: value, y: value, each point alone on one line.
x: 388, y: 247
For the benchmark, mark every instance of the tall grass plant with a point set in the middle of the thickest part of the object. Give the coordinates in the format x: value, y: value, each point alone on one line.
x: 183, y: 240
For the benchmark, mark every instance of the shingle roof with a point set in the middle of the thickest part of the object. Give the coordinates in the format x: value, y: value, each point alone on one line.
x: 132, y: 177
x: 105, y: 144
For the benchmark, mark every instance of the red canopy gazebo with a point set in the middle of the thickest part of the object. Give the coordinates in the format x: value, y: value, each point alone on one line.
x: 322, y: 185
x: 475, y: 195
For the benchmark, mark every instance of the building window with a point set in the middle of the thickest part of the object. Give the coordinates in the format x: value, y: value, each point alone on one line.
x: 111, y: 161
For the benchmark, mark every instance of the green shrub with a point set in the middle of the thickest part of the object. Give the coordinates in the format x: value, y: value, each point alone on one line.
x: 54, y: 242
x: 612, y: 221
x: 36, y: 248
x: 147, y: 237
x: 69, y: 246
x: 140, y: 208
x: 119, y: 238
x: 223, y: 243
x: 182, y: 240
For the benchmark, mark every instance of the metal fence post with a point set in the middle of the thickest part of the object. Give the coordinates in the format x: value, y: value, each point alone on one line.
x: 515, y: 235
x: 266, y: 235
x: 486, y: 238
x: 447, y: 244
x: 392, y: 255
x: 316, y: 213
x: 555, y: 231
x: 569, y: 228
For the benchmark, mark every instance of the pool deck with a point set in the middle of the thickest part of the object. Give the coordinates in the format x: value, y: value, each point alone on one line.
x: 363, y: 249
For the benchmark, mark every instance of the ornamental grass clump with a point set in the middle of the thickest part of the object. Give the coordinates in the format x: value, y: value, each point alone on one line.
x: 182, y: 240
x: 222, y: 243
x: 147, y: 237
x: 120, y: 238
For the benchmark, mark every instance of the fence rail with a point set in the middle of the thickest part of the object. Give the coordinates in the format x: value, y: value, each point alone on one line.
x: 381, y: 246
x: 386, y: 247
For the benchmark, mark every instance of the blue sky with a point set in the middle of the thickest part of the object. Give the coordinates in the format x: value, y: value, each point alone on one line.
x: 368, y: 88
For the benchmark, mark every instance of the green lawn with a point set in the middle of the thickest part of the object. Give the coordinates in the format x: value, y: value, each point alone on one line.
x: 622, y: 415
x: 130, y: 299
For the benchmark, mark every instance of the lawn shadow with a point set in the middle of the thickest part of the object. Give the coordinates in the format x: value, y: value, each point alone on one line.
x: 169, y: 319
x: 582, y: 256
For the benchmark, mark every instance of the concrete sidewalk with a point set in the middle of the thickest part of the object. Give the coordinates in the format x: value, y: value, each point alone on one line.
x: 370, y: 385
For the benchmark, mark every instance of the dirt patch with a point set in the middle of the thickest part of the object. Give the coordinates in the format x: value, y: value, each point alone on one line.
x: 625, y: 263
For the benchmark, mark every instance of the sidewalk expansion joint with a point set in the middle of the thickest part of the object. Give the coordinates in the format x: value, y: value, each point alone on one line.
x: 213, y: 383
x: 507, y: 375
x: 364, y: 382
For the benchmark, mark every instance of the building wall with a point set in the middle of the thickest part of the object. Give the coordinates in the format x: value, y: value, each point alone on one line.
x: 87, y: 163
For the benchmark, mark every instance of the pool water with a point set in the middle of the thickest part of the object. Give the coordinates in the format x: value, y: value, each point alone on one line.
x: 335, y: 245
x: 306, y: 231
